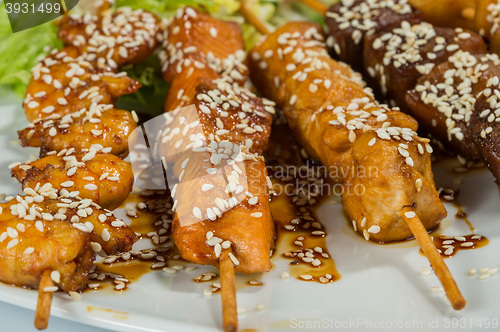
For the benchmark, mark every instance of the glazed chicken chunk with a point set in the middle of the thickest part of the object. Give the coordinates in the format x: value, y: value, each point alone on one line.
x: 337, y: 121
x: 104, y: 178
x: 114, y: 38
x: 221, y: 190
x: 43, y: 231
x: 64, y: 83
x: 78, y: 131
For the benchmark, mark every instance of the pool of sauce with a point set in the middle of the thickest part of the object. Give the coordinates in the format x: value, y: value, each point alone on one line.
x: 449, y: 246
x: 299, y: 233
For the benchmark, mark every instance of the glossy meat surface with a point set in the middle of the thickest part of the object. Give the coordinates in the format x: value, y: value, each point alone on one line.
x: 365, y: 144
x: 32, y: 245
x: 221, y: 198
x: 348, y: 23
x: 104, y: 178
x: 102, y: 124
x: 114, y: 38
x: 64, y: 83
x: 485, y: 122
x: 443, y: 101
x: 395, y: 60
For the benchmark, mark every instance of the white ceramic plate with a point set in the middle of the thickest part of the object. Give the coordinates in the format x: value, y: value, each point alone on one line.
x: 381, y: 285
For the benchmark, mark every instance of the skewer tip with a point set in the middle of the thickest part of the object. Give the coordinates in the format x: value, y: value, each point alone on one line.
x: 429, y: 249
x: 44, y: 303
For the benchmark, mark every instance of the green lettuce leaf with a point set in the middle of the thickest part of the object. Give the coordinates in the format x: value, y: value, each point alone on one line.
x: 19, y: 51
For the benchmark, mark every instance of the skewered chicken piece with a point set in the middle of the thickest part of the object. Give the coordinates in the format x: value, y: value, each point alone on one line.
x: 216, y: 49
x: 102, y: 124
x: 105, y: 179
x: 81, y: 124
x: 482, y: 16
x: 401, y: 158
x: 228, y: 127
x: 399, y: 198
x: 216, y: 211
x: 228, y: 113
x: 486, y: 22
x: 29, y: 247
x: 332, y: 114
x: 78, y: 128
x: 64, y: 82
x: 112, y: 39
x: 40, y: 231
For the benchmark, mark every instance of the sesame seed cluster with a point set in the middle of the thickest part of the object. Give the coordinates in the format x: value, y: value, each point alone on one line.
x: 65, y: 215
x: 339, y: 123
x: 349, y: 21
x: 217, y: 142
x: 435, y: 74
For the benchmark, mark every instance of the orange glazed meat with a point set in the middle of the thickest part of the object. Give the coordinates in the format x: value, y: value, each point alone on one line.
x: 338, y: 122
x: 221, y: 197
x: 101, y: 124
x: 43, y: 231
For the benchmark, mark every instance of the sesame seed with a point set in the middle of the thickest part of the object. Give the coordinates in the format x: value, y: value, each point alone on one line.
x: 50, y: 289
x: 12, y: 243
x: 96, y: 247
x: 234, y: 259
x: 313, y: 88
x: 253, y: 200
x: 105, y: 235
x: 374, y: 229
x: 55, y: 276
x: 213, y: 32
x: 437, y: 289
x: 75, y: 296
x: 472, y: 271
x: 39, y: 226
x: 410, y: 214
x: 197, y: 213
x: 425, y: 271
x: 90, y: 186
x: 169, y: 270
x: 484, y: 276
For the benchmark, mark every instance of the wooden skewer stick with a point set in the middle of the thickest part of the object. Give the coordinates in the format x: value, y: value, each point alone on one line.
x: 252, y: 19
x: 437, y: 262
x: 44, y: 303
x: 228, y: 292
x: 316, y: 5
